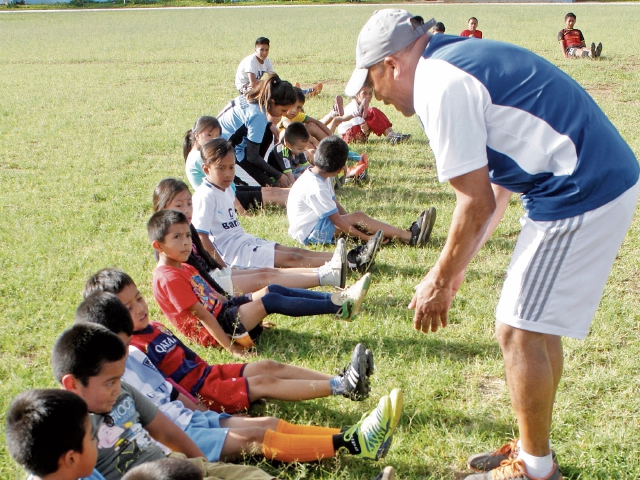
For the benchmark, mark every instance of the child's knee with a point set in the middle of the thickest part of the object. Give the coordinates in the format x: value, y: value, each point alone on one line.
x: 270, y: 367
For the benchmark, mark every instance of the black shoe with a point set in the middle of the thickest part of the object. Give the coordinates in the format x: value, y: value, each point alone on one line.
x: 363, y: 256
x: 592, y: 51
x: 421, y: 228
x: 355, y: 375
x: 598, y: 50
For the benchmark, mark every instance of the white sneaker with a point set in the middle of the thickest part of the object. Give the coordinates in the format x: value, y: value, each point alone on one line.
x: 330, y: 275
x: 350, y: 299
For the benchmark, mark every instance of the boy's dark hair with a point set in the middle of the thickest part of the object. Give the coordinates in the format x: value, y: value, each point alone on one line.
x: 262, y: 41
x: 109, y: 280
x: 570, y: 14
x: 202, y: 124
x: 472, y: 18
x: 161, y: 221
x: 43, y: 425
x: 104, y: 308
x: 300, y: 97
x: 83, y: 349
x: 438, y: 27
x: 165, y: 469
x: 215, y: 150
x: 331, y: 154
x: 296, y: 132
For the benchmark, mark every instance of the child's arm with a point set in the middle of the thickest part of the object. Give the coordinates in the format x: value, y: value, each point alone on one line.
x: 208, y: 246
x: 209, y: 322
x: 340, y: 208
x: 342, y: 225
x: 290, y: 176
x: 252, y: 79
x: 168, y: 433
x: 239, y: 208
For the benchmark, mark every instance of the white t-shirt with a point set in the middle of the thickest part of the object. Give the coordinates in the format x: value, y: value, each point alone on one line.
x: 251, y: 64
x: 311, y: 199
x: 214, y: 213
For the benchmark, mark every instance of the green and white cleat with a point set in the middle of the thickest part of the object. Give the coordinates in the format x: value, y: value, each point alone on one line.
x: 350, y: 299
x: 396, y: 412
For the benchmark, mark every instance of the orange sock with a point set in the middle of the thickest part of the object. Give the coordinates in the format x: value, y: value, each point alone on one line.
x: 285, y: 447
x: 286, y: 427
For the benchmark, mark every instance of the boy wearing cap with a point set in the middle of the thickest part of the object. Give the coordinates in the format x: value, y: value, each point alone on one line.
x: 494, y: 107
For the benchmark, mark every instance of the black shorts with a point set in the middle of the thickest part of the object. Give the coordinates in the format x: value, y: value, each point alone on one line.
x: 249, y: 197
x: 229, y: 320
x: 259, y: 175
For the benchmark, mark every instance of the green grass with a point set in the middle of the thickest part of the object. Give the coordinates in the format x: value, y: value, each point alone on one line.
x: 93, y: 106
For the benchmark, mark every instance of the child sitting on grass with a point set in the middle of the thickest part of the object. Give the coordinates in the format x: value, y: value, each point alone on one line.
x: 317, y: 129
x: 113, y: 300
x: 48, y: 432
x: 90, y: 360
x: 215, y: 219
x: 315, y: 216
x: 356, y: 122
x: 208, y: 318
x: 572, y: 41
x: 247, y: 197
x: 173, y: 194
x: 291, y: 157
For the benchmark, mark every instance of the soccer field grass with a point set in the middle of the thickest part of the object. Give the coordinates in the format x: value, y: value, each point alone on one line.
x: 93, y: 107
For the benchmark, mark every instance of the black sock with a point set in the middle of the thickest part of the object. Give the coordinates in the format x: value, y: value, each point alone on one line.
x: 352, y: 446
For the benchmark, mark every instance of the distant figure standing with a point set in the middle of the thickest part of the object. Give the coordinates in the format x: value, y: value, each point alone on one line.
x: 472, y: 31
x: 572, y: 41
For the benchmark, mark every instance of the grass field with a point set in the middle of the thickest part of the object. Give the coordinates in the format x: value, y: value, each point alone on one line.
x: 93, y: 106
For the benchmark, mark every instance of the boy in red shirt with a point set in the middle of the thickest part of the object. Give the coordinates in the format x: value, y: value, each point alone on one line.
x: 572, y: 42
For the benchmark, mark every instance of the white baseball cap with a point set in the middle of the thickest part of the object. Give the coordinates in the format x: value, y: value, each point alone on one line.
x: 385, y: 33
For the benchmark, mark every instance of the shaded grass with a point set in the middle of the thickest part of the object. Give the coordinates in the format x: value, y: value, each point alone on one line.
x: 92, y: 109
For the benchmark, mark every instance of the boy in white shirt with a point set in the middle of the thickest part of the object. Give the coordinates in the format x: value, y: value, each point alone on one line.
x: 315, y: 216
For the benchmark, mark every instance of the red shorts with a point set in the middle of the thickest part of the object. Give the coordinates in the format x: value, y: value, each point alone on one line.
x: 377, y: 122
x: 224, y: 389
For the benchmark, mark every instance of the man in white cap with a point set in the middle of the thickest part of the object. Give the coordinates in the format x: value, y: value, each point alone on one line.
x: 500, y: 120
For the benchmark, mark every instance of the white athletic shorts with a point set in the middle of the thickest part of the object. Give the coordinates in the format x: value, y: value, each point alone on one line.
x: 559, y: 269
x: 253, y: 252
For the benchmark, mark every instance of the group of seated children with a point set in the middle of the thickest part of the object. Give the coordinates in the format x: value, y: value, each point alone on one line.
x: 135, y: 392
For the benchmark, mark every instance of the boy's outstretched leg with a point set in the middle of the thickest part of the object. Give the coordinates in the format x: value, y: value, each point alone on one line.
x: 269, y: 379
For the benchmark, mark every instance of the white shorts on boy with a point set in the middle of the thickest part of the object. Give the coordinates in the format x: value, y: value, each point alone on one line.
x: 559, y: 269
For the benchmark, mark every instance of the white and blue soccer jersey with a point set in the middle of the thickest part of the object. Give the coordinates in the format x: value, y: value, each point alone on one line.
x: 241, y: 121
x: 539, y: 132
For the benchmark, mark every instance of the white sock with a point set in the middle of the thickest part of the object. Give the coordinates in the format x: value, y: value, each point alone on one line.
x: 538, y: 467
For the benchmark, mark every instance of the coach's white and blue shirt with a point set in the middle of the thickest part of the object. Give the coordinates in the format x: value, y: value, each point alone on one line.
x: 492, y: 103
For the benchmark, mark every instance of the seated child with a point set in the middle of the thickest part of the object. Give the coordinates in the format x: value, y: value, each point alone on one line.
x: 165, y: 469
x: 317, y: 129
x: 438, y: 28
x: 248, y: 197
x: 290, y: 156
x: 253, y: 66
x: 315, y: 216
x: 173, y: 194
x: 89, y: 360
x: 472, y: 30
x: 226, y: 388
x: 214, y: 218
x: 572, y: 41
x: 48, y: 432
x: 208, y: 318
x: 359, y: 120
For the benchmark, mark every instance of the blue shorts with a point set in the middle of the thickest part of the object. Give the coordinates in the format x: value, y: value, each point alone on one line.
x: 322, y: 233
x: 205, y: 431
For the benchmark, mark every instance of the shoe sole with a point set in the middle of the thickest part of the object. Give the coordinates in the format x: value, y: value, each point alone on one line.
x: 599, y: 50
x: 370, y: 363
x: 428, y: 222
x: 343, y: 261
x: 379, y: 237
x: 339, y: 102
x: 397, y: 402
x: 366, y: 282
x: 359, y: 364
x: 388, y: 473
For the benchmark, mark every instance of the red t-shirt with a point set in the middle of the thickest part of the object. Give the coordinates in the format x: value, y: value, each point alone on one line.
x: 467, y: 33
x: 570, y: 38
x: 176, y: 290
